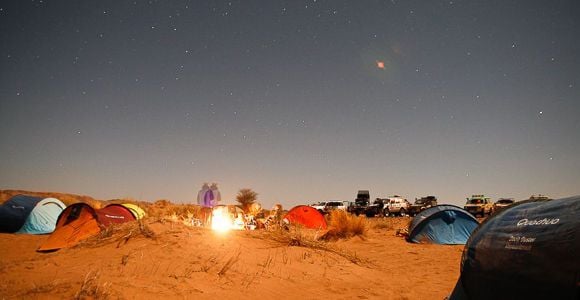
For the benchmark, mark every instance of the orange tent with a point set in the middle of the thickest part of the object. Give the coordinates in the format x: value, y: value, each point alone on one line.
x: 306, y: 216
x: 80, y: 221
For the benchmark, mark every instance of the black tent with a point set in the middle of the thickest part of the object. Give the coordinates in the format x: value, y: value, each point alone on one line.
x: 13, y: 213
x: 530, y: 250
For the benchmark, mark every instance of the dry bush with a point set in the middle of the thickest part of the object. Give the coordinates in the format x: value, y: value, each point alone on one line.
x: 119, y: 233
x: 164, y: 210
x: 90, y: 288
x: 296, y: 236
x: 343, y: 225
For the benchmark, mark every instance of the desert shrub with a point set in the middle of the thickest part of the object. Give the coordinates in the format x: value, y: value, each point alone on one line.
x: 164, y: 210
x: 91, y: 288
x: 119, y: 233
x: 297, y: 236
x: 343, y: 225
x: 246, y: 197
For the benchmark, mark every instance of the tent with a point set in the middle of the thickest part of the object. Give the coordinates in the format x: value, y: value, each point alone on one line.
x: 306, y: 216
x: 442, y: 224
x: 114, y: 214
x: 43, y: 217
x: 28, y: 214
x: 80, y: 221
x: 527, y: 251
x: 137, y: 211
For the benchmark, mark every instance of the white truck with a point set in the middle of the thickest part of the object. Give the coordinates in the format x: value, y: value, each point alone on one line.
x: 334, y: 205
x: 396, y: 206
x: 319, y: 206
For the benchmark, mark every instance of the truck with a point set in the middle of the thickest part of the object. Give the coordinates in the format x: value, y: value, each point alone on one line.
x: 361, y: 202
x: 502, y: 203
x: 479, y: 205
x: 334, y: 205
x: 396, y: 206
x: 376, y: 208
x: 422, y: 204
x: 319, y: 206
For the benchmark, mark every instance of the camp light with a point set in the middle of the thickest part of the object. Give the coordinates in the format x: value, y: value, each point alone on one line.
x: 221, y: 220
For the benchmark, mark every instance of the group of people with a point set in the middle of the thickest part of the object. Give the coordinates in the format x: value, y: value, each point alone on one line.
x: 209, y: 196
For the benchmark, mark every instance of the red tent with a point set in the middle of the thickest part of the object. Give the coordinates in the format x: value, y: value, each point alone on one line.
x: 306, y: 216
x: 114, y: 214
x: 80, y: 221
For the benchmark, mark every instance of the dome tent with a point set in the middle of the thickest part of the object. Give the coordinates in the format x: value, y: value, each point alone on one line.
x: 527, y: 251
x: 306, y: 216
x: 80, y: 221
x: 442, y: 224
x: 43, y: 217
x: 137, y: 211
x: 28, y: 214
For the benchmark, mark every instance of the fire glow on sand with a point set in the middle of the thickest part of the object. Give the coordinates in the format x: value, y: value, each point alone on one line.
x: 221, y: 220
x: 227, y: 217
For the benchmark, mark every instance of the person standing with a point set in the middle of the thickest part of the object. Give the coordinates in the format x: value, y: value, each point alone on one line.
x: 201, y: 194
x: 205, y: 209
x: 217, y: 197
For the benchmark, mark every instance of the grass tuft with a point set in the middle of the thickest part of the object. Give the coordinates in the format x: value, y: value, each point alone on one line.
x: 120, y: 234
x: 91, y: 289
x: 343, y: 225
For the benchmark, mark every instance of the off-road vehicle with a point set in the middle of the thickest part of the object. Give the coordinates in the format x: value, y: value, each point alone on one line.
x: 376, y: 208
x: 334, y: 205
x: 319, y: 206
x: 478, y: 205
x: 422, y: 204
x: 502, y: 203
x: 396, y: 206
x: 360, y: 203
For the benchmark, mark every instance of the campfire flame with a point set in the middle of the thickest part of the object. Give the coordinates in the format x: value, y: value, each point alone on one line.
x: 221, y: 220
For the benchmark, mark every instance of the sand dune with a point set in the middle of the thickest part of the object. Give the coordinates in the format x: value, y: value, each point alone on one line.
x: 195, y: 263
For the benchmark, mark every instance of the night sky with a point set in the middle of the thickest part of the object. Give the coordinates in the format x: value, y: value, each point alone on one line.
x: 301, y: 101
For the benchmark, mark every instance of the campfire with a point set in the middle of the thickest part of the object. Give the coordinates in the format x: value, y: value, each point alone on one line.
x: 225, y: 218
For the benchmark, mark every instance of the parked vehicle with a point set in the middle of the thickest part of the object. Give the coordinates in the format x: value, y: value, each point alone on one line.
x: 360, y: 203
x: 396, y: 206
x: 503, y: 203
x: 334, y: 205
x: 479, y: 205
x: 422, y: 204
x: 319, y: 206
x: 376, y: 208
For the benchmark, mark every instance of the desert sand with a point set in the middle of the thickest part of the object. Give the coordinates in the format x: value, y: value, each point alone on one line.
x: 168, y: 260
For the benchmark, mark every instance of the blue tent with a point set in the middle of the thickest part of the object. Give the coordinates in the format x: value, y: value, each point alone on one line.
x: 442, y: 224
x: 28, y: 214
x: 527, y: 251
x: 43, y: 217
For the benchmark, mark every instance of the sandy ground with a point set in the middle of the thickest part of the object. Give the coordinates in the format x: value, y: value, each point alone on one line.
x: 181, y: 262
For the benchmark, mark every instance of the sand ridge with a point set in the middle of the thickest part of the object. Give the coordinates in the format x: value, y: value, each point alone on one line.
x: 197, y: 263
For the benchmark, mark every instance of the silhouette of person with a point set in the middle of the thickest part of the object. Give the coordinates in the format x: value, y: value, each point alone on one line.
x: 201, y: 195
x: 217, y: 197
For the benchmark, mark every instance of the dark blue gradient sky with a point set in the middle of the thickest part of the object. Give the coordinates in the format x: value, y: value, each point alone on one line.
x: 149, y: 99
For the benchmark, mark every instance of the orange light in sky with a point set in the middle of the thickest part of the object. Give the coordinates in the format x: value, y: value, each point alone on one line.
x: 380, y: 64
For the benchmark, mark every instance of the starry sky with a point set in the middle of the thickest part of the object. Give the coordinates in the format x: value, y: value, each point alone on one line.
x: 301, y: 101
